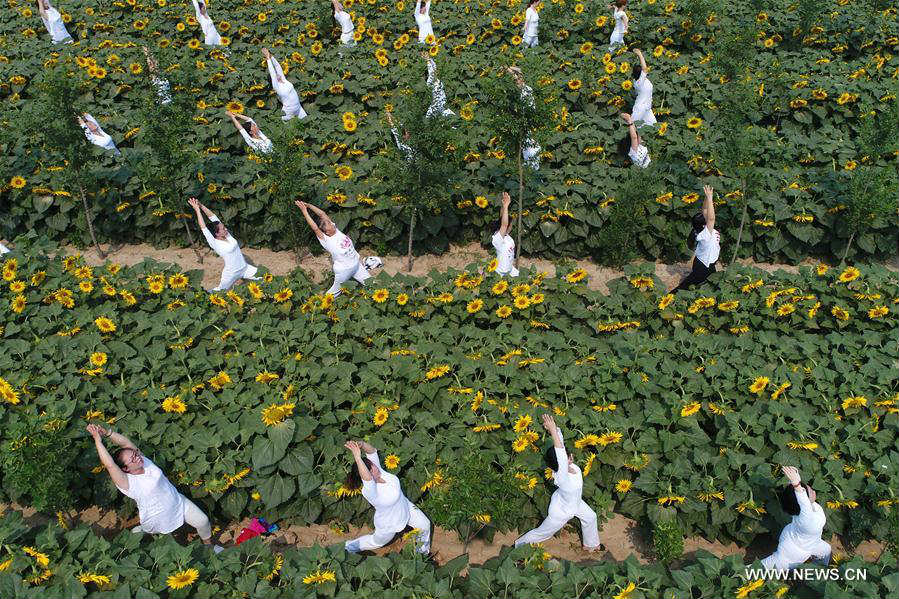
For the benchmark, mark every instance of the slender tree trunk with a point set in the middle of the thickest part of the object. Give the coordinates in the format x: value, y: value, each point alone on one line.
x: 90, y: 222
x: 742, y: 220
x: 409, y: 245
x: 848, y: 245
x: 520, y: 201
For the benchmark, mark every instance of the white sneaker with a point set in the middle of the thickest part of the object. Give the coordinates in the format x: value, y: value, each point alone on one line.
x: 372, y: 262
x: 218, y: 548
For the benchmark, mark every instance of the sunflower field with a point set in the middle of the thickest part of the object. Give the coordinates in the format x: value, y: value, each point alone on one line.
x: 818, y: 77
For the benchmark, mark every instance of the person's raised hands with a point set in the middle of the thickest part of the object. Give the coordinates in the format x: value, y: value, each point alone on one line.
x: 792, y: 474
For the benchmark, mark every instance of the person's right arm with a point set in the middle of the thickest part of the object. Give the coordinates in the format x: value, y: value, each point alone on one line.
x: 632, y: 130
x: 709, y: 208
x: 643, y: 66
x: 304, y: 207
x: 559, y: 447
x: 117, y: 475
x: 197, y: 9
x: 504, y: 215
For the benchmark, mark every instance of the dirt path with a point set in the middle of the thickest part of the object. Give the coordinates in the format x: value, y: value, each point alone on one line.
x: 620, y: 535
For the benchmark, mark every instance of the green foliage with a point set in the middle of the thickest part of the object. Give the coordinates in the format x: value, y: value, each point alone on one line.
x: 871, y: 195
x: 733, y: 49
x: 891, y: 537
x: 628, y: 218
x: 667, y: 540
x: 39, y: 464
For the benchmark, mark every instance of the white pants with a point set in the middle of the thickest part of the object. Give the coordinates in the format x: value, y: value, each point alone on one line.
x: 290, y: 101
x: 513, y: 272
x: 379, y: 538
x: 358, y: 272
x: 529, y: 41
x: 193, y: 516
x: 347, y: 39
x: 229, y: 278
x: 789, y: 556
x: 616, y: 40
x: 642, y: 114
x: 554, y: 523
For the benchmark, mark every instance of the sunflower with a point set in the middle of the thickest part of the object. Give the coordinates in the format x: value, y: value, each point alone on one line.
x: 380, y: 416
x: 174, y: 404
x: 694, y: 122
x: 344, y: 172
x: 178, y: 281
x: 850, y: 274
x: 277, y: 413
x: 503, y: 311
x: 105, y: 325
x: 729, y: 306
x: 17, y: 304
x: 574, y: 84
x: 262, y: 17
x: 875, y: 312
x: 320, y: 577
x: 521, y: 302
x: 759, y: 384
x: 7, y: 393
x: 180, y: 27
x: 17, y: 287
x: 183, y: 579
x: 17, y: 182
x: 402, y: 299
x: 520, y: 444
x: 481, y: 202
x: 193, y: 44
x: 627, y: 85
x: 283, y: 295
x: 234, y: 106
x: 690, y: 409
x: 516, y: 40
x: 586, y: 48
x: 474, y: 306
x: 499, y: 288
x: 392, y: 462
x: 576, y: 275
x: 769, y: 42
x: 496, y: 24
x: 819, y: 94
x: 380, y: 296
x: 467, y: 113
x: 349, y: 125
x: 839, y: 313
x: 140, y: 25
x: 623, y: 485
x: 98, y: 358
x: 437, y: 371
x: 316, y: 48
x: 786, y: 309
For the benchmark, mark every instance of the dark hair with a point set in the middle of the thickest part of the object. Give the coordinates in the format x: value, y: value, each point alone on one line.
x: 214, y: 227
x: 620, y: 3
x: 532, y: 3
x: 635, y: 71
x: 624, y: 146
x: 551, y: 460
x: 248, y: 125
x: 788, y: 500
x: 697, y: 224
x: 353, y: 480
x: 119, y: 458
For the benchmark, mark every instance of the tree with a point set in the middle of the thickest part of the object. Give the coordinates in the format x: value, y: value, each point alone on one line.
x: 166, y: 157
x: 870, y: 195
x: 423, y: 168
x: 51, y: 122
x: 515, y: 121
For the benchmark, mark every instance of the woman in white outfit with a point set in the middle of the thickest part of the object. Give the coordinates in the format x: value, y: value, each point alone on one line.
x: 621, y: 22
x: 163, y: 88
x: 344, y: 257
x: 438, y: 93
x: 249, y: 130
x: 290, y: 100
x: 530, y: 152
x: 400, y: 143
x: 503, y: 242
x: 95, y: 134
x: 423, y: 20
x: 345, y: 21
x: 221, y: 242
x: 161, y: 507
x: 393, y: 511
x: 54, y: 23
x: 632, y: 145
x: 642, y: 111
x: 801, y: 538
x: 531, y: 22
x: 566, y: 502
x: 707, y: 241
x: 212, y: 37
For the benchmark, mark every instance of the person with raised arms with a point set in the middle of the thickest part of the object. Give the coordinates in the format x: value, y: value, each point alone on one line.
x: 393, y: 511
x: 707, y: 241
x: 163, y: 88
x: 345, y: 21
x: 621, y: 23
x: 249, y: 130
x: 344, y: 257
x: 642, y: 113
x: 632, y: 144
x: 211, y: 34
x: 566, y: 502
x: 530, y: 151
x: 438, y: 93
x: 423, y: 20
x: 95, y: 134
x: 290, y: 100
x: 801, y: 538
x: 503, y: 242
x: 531, y: 24
x: 56, y: 27
x: 227, y: 248
x: 161, y: 507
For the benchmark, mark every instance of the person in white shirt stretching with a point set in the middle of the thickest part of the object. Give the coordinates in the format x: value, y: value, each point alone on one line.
x: 531, y: 22
x: 345, y: 21
x: 621, y: 22
x: 161, y: 507
x: 163, y: 88
x: 503, y: 242
x: 95, y: 134
x: 212, y: 37
x: 632, y: 145
x: 344, y: 257
x: 393, y: 511
x: 221, y: 242
x: 249, y: 130
x: 54, y: 23
x: 530, y: 152
x: 438, y: 93
x: 642, y: 113
x: 423, y: 20
x: 290, y: 100
x: 801, y: 538
x: 566, y: 502
x: 707, y: 241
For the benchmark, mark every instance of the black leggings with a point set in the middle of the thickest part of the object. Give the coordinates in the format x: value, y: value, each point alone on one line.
x: 698, y: 275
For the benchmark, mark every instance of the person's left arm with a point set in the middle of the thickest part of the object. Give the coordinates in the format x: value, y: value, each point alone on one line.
x: 643, y: 66
x: 504, y: 214
x: 709, y: 208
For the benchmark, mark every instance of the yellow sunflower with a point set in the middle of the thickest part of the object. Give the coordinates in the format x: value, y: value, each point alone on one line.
x: 474, y: 305
x: 105, y: 325
x: 183, y: 579
x: 503, y: 311
x: 380, y: 416
x: 283, y: 295
x: 694, y: 122
x: 380, y: 296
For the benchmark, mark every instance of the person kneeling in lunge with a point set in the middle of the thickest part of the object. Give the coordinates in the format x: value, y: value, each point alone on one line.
x: 161, y: 507
x: 221, y: 242
x: 393, y: 511
x: 801, y: 538
x: 503, y: 242
x: 566, y: 502
x: 344, y: 257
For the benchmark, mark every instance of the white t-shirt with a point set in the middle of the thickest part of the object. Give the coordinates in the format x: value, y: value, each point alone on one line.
x: 531, y: 20
x: 391, y: 506
x: 423, y: 21
x: 343, y: 255
x: 567, y: 497
x: 55, y: 26
x: 345, y: 21
x: 640, y: 156
x: 159, y: 503
x: 228, y: 250
x: 100, y: 138
x: 163, y: 90
x: 505, y: 253
x: 212, y: 37
x: 620, y: 27
x: 263, y: 145
x: 708, y: 246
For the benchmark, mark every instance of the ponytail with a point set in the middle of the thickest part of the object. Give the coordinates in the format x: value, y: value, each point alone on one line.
x: 697, y: 225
